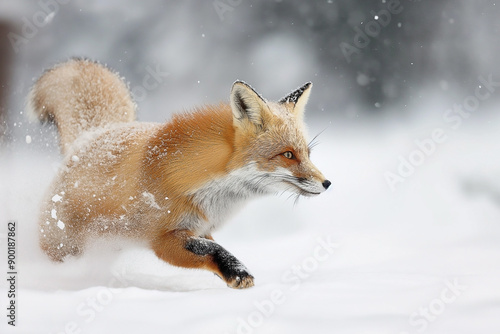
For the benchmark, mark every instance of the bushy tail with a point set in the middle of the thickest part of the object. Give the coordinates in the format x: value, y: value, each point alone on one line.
x: 79, y: 95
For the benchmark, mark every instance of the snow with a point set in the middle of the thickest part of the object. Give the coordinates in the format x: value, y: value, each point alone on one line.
x: 56, y: 198
x: 359, y: 258
x: 149, y: 199
x: 60, y: 224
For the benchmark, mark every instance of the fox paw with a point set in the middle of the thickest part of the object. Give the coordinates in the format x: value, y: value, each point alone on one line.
x: 242, y: 280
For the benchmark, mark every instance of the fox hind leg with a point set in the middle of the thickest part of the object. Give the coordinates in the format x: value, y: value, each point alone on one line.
x: 58, y: 239
x: 58, y: 252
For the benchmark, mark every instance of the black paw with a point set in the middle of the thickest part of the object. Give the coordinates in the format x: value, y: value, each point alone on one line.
x: 242, y: 280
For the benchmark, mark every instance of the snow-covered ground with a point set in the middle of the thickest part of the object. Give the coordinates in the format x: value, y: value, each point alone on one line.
x: 360, y: 258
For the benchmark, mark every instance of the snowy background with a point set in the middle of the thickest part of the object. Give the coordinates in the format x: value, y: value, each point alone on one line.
x: 405, y: 241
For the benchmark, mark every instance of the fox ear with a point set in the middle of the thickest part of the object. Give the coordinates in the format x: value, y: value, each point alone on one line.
x: 298, y: 99
x: 247, y: 104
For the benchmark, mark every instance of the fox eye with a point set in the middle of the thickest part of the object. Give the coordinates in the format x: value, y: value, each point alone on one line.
x: 288, y: 155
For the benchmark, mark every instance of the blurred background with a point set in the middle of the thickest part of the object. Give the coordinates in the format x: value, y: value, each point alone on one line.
x: 368, y: 60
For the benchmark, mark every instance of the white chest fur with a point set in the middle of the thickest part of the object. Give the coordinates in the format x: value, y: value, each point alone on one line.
x: 221, y: 197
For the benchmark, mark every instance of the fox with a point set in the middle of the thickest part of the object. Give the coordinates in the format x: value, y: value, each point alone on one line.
x: 169, y: 185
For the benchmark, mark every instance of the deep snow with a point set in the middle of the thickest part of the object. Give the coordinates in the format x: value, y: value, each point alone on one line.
x: 360, y: 258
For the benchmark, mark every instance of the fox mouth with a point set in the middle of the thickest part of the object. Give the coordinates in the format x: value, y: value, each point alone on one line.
x: 302, y: 191
x: 308, y: 193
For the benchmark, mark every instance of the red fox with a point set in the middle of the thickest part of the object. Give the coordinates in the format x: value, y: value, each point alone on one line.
x: 170, y: 185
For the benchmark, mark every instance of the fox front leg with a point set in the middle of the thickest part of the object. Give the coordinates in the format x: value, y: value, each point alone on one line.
x: 184, y: 249
x: 230, y: 269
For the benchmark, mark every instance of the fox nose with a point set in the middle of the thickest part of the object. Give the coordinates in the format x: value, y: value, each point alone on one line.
x: 326, y: 184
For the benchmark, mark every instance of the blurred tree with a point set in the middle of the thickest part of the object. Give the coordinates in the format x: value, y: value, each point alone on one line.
x: 5, y: 67
x: 385, y: 50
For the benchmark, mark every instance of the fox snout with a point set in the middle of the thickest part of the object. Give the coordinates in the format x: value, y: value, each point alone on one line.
x: 309, y: 181
x: 314, y: 180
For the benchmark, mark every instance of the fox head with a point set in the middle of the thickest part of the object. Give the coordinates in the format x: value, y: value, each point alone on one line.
x: 272, y: 136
